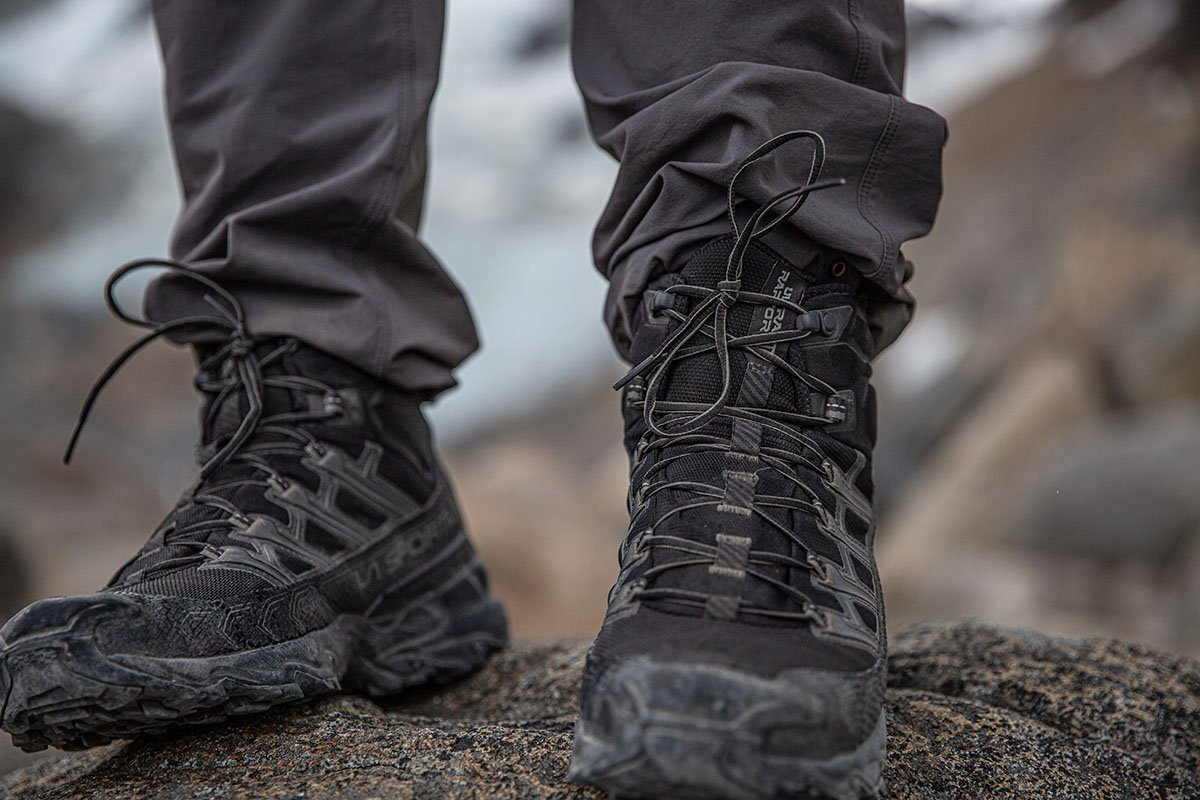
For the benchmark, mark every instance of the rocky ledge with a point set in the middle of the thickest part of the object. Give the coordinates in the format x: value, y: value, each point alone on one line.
x: 974, y: 711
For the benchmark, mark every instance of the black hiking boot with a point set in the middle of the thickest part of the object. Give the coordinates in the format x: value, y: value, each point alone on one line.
x: 743, y: 653
x: 320, y: 551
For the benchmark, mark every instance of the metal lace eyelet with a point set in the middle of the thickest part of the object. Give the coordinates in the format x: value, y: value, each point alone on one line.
x: 278, y: 483
x: 821, y: 569
x: 315, y: 450
x: 631, y: 592
x: 823, y: 516
x: 838, y: 269
x: 334, y: 403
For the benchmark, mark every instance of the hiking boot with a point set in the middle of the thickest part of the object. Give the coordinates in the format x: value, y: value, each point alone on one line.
x: 320, y: 551
x: 743, y: 651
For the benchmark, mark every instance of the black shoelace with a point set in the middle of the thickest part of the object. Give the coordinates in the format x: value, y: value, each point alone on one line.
x: 235, y: 366
x: 680, y: 426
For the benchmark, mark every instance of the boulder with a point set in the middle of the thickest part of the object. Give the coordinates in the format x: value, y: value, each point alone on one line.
x: 973, y: 711
x: 1120, y: 489
x: 1153, y: 348
x: 938, y: 548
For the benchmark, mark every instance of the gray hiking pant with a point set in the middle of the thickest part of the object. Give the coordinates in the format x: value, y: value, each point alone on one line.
x: 299, y: 129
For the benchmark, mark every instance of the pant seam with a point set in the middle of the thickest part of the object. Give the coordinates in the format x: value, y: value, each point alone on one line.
x: 867, y: 186
x: 862, y: 59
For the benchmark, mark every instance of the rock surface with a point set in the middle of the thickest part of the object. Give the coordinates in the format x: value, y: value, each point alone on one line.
x: 973, y: 711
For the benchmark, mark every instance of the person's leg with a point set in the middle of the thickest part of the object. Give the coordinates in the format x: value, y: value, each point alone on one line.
x: 299, y: 129
x: 743, y: 653
x: 679, y: 92
x: 321, y: 548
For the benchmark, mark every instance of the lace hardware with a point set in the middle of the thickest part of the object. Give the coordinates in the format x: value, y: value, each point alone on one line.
x: 278, y: 482
x: 634, y: 546
x: 635, y: 393
x: 822, y: 514
x: 334, y: 404
x: 836, y: 409
x: 822, y: 322
x: 715, y: 307
x: 641, y: 367
x: 821, y: 569
x: 639, y: 451
x: 208, y: 553
x: 660, y: 301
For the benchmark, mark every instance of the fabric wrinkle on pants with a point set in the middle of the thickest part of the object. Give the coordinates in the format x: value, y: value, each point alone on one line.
x: 299, y: 130
x: 680, y: 92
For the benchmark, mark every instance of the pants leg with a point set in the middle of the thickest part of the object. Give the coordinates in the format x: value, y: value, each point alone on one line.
x: 299, y: 129
x: 680, y: 91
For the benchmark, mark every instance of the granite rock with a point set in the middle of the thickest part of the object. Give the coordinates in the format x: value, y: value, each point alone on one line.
x: 973, y: 711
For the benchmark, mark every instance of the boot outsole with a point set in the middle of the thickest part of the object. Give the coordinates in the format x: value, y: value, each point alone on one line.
x: 641, y: 745
x: 58, y: 688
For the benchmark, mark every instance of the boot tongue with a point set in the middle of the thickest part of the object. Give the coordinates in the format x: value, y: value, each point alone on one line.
x: 698, y: 379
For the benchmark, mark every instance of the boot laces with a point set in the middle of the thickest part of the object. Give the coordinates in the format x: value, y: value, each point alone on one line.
x: 677, y: 430
x: 238, y: 455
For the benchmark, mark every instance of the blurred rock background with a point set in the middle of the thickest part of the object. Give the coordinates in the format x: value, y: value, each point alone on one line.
x: 1039, y: 460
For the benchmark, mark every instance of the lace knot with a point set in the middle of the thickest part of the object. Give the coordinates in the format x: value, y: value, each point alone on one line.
x: 729, y: 292
x: 240, y: 345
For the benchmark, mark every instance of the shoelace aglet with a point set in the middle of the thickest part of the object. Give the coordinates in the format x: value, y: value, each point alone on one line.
x: 633, y: 373
x: 71, y: 444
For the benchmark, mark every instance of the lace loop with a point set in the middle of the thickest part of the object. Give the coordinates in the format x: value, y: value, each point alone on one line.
x: 251, y: 442
x: 229, y: 319
x: 728, y: 293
